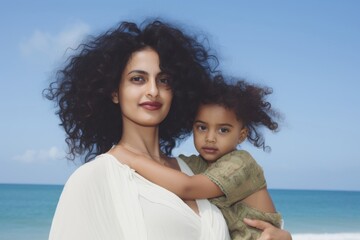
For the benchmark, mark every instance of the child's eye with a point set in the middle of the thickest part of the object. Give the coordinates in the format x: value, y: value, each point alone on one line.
x: 224, y: 130
x: 201, y: 128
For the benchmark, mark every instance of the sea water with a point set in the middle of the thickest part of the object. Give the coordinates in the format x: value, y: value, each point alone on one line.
x: 26, y: 212
x: 320, y: 215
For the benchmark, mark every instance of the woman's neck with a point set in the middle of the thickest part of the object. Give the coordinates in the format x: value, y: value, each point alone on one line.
x: 142, y: 140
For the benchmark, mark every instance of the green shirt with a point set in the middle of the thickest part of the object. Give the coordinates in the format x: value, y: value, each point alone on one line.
x: 238, y: 176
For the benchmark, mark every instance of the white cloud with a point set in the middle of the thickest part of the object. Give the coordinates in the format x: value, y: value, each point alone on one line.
x: 43, y: 155
x: 53, y: 46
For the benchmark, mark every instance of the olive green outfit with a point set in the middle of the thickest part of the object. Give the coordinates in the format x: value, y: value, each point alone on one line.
x: 238, y: 175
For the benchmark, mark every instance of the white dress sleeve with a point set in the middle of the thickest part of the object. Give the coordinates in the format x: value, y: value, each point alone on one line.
x: 99, y: 202
x: 213, y: 224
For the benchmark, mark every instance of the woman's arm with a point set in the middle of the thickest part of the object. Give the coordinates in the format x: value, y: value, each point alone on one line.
x: 269, y: 232
x: 186, y: 187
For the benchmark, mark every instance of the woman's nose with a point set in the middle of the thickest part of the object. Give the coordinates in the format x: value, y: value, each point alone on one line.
x: 152, y: 89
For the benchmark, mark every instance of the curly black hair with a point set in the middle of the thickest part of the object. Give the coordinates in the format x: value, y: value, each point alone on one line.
x: 82, y: 89
x: 248, y: 101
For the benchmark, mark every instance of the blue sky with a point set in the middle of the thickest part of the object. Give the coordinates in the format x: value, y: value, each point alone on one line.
x: 307, y: 51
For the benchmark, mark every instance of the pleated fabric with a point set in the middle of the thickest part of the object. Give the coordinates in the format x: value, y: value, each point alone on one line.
x: 105, y: 199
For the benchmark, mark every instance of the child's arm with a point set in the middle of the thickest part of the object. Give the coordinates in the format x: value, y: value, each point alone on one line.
x: 186, y: 187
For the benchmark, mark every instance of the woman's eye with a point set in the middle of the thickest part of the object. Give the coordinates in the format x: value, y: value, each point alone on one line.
x: 164, y: 81
x: 137, y: 79
x: 224, y: 130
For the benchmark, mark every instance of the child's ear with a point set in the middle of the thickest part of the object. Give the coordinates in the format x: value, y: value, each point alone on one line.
x: 243, y: 135
x: 115, y: 97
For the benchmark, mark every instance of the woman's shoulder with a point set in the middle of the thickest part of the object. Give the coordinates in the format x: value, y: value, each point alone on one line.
x: 93, y: 170
x: 94, y: 165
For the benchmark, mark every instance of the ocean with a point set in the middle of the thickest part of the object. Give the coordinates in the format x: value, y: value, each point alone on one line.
x: 26, y: 212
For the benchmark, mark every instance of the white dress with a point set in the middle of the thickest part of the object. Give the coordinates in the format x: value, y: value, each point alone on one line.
x: 106, y: 200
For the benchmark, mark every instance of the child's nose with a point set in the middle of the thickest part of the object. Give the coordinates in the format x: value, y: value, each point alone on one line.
x: 210, y: 138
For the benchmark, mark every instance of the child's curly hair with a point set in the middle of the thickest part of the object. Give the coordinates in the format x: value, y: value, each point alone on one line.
x: 249, y: 103
x: 82, y: 89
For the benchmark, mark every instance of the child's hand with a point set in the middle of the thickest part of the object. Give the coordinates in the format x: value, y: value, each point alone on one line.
x: 269, y: 231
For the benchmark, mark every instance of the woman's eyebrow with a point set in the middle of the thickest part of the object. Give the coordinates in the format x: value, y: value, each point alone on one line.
x: 138, y: 71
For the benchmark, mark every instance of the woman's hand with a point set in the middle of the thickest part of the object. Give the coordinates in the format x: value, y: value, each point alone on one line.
x: 269, y: 232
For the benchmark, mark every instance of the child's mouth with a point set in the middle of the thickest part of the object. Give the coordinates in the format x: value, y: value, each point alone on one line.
x: 209, y: 150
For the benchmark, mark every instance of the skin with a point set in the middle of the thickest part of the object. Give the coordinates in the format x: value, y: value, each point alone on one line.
x: 205, y: 133
x: 144, y: 97
x: 217, y: 132
x: 269, y: 231
x: 144, y: 94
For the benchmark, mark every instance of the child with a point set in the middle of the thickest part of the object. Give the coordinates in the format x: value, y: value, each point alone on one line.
x: 234, y: 182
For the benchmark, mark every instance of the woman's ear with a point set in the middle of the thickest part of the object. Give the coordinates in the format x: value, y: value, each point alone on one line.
x: 115, y: 97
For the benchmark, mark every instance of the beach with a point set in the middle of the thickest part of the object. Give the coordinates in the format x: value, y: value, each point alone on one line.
x: 26, y: 211
x: 327, y: 236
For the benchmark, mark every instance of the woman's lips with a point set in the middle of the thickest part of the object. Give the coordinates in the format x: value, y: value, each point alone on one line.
x: 152, y: 106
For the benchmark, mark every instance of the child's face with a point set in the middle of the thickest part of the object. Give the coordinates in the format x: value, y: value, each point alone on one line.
x: 217, y: 131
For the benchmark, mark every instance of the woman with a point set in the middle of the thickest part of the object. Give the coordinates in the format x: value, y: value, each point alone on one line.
x: 134, y: 89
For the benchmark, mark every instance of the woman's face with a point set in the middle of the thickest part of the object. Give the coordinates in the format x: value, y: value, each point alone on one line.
x: 144, y: 93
